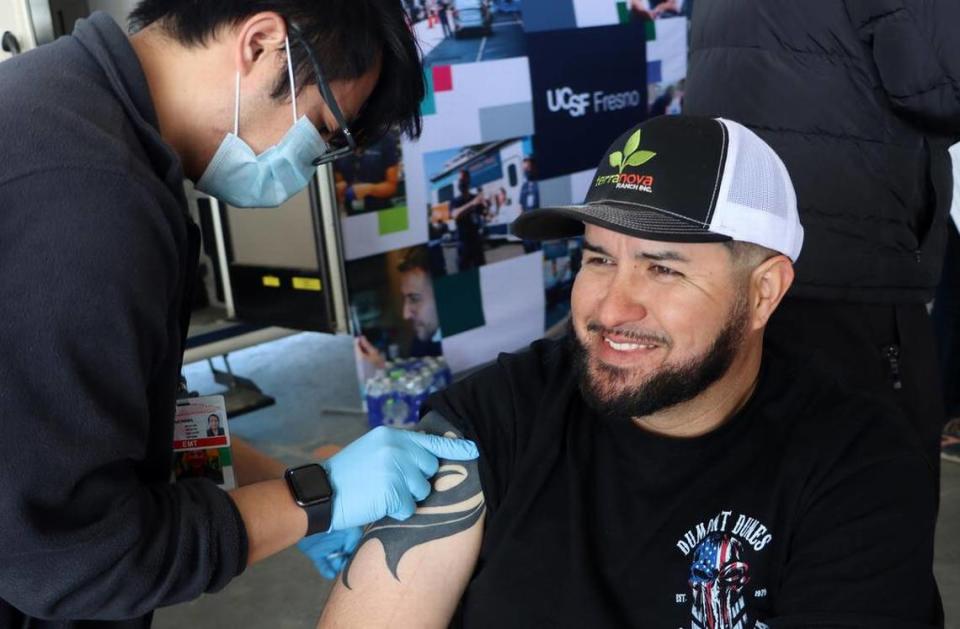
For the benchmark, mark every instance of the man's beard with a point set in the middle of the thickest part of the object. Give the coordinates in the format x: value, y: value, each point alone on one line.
x: 608, y: 391
x: 423, y: 332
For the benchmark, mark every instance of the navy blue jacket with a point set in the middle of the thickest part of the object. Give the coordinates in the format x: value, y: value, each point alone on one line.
x: 96, y: 257
x: 861, y: 99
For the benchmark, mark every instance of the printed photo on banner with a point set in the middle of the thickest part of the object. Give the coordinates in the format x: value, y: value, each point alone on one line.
x: 553, y: 15
x: 393, y: 306
x: 666, y: 65
x: 561, y: 263
x: 371, y: 190
x: 371, y: 180
x: 467, y: 31
x: 665, y: 99
x: 474, y: 194
x: 649, y: 10
x: 498, y: 307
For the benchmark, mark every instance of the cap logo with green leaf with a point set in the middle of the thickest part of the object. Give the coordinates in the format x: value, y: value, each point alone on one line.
x: 631, y: 156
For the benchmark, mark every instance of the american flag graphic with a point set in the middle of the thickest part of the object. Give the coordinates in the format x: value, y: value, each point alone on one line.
x: 717, y: 578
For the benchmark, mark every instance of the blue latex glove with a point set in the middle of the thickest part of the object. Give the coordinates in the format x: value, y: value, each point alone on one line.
x: 329, y: 552
x: 386, y: 472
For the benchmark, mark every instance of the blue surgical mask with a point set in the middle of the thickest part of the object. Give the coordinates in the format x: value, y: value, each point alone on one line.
x: 242, y: 178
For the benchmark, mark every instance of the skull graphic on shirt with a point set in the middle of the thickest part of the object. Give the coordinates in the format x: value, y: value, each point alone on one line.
x: 717, y: 578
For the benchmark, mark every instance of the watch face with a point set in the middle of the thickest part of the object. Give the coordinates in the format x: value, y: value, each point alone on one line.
x: 310, y: 484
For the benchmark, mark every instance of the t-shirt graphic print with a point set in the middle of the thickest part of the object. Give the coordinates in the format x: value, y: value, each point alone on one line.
x: 720, y: 551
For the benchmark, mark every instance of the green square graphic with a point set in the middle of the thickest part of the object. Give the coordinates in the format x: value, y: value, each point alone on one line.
x: 429, y: 104
x: 459, y: 302
x: 650, y: 30
x: 393, y: 220
x: 623, y: 12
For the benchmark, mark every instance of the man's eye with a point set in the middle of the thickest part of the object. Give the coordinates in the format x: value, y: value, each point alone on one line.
x: 663, y: 270
x: 598, y: 261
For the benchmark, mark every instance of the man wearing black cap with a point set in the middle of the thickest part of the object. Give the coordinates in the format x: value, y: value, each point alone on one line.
x: 659, y: 467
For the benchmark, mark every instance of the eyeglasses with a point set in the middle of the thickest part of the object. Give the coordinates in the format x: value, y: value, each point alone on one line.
x: 342, y: 142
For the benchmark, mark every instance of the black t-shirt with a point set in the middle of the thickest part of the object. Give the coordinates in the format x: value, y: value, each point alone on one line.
x: 811, y: 507
x: 421, y: 349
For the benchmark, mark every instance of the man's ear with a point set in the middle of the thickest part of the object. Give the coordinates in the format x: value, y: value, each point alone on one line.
x: 769, y: 282
x: 257, y: 38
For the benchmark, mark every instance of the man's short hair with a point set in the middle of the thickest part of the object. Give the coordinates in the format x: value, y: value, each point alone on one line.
x: 416, y: 259
x: 746, y: 255
x: 348, y: 36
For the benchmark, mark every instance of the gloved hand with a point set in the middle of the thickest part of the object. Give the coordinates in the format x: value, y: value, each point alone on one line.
x: 329, y: 552
x: 385, y: 472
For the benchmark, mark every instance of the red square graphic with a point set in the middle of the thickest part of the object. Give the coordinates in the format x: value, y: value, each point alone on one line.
x: 442, y: 78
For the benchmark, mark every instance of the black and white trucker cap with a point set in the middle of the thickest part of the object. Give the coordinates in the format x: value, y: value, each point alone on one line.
x: 683, y: 179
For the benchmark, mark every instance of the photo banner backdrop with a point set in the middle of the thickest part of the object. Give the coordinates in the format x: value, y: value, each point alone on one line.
x: 588, y: 86
x: 523, y: 97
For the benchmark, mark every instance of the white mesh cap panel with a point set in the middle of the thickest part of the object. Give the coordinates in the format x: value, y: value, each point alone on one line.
x: 755, y: 181
x: 756, y: 202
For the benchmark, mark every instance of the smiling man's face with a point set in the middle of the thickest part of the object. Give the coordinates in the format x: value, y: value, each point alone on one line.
x: 655, y: 323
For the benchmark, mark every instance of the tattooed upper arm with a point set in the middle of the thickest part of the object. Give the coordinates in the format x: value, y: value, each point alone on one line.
x: 413, y: 573
x: 455, y: 505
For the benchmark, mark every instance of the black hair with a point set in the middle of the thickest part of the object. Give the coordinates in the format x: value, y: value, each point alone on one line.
x: 746, y: 255
x: 348, y: 37
x: 417, y: 259
x: 530, y: 159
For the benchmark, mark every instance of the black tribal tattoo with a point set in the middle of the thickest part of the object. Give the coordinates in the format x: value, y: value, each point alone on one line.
x: 455, y: 505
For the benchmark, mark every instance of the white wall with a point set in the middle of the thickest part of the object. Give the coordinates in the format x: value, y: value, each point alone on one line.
x: 14, y: 18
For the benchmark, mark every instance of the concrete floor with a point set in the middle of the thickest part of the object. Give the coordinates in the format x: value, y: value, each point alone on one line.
x: 310, y: 374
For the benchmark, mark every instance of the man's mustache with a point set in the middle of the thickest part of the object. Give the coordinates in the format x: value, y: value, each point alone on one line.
x: 634, y: 335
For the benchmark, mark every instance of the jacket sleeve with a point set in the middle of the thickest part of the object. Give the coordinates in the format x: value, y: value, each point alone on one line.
x: 917, y: 53
x: 88, y: 275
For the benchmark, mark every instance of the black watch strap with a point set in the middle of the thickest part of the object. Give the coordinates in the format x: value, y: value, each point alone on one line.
x: 319, y: 517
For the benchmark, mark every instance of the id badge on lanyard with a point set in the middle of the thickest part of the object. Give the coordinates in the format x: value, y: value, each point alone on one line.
x: 201, y: 441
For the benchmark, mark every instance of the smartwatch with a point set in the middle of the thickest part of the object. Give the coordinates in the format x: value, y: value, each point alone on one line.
x: 311, y: 490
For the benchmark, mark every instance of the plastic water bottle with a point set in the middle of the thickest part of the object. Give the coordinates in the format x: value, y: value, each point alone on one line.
x: 377, y: 389
x: 414, y: 394
x: 445, y: 374
x: 395, y: 372
x: 429, y: 376
x: 395, y: 407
